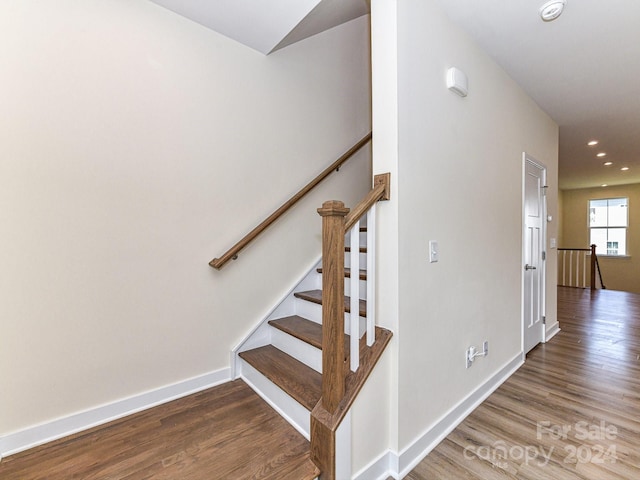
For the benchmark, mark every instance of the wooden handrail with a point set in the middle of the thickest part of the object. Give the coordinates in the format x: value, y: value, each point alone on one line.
x: 594, y: 266
x: 337, y: 392
x: 380, y: 191
x: 232, y: 253
x: 336, y: 222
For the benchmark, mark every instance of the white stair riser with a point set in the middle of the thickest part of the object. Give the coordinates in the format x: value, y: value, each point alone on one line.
x: 285, y: 405
x: 313, y: 311
x: 313, y: 281
x: 362, y: 294
x: 301, y: 351
x: 363, y: 260
x: 309, y: 310
x: 347, y: 289
x: 363, y: 239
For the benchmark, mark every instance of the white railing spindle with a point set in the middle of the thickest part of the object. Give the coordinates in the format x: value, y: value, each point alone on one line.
x: 577, y: 266
x: 371, y: 272
x: 354, y: 293
x: 570, y: 267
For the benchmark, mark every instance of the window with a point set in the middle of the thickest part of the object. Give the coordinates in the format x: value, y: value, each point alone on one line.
x: 608, y: 222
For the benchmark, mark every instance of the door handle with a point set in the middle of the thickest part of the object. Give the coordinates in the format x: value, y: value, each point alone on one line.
x: 529, y: 267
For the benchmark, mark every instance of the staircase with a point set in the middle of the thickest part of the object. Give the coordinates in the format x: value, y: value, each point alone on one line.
x: 282, y: 360
x: 292, y: 361
x: 312, y: 355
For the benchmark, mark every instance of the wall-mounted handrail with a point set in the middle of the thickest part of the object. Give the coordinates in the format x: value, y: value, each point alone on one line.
x: 232, y: 253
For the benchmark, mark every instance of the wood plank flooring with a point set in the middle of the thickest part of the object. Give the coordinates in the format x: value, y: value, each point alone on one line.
x: 226, y: 432
x: 572, y: 412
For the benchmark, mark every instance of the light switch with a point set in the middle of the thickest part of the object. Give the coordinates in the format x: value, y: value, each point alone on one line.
x: 552, y: 242
x: 433, y: 251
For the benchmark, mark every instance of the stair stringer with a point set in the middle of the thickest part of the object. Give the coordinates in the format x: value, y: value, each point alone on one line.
x: 263, y: 334
x: 260, y: 334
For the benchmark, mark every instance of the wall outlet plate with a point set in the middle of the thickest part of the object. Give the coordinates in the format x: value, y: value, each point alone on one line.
x: 469, y: 356
x: 433, y: 251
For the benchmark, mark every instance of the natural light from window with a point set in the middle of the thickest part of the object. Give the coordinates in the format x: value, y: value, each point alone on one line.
x: 608, y: 222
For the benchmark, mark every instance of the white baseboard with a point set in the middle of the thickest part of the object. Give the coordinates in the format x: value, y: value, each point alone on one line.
x: 62, y: 427
x: 379, y: 469
x: 552, y: 332
x: 414, y: 453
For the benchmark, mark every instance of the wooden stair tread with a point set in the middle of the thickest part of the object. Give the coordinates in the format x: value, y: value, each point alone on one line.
x: 315, y: 296
x: 301, y: 382
x: 347, y: 273
x: 303, y: 329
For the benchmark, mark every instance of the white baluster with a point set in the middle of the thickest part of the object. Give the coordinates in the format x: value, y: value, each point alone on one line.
x: 354, y: 292
x: 371, y: 272
x: 571, y: 268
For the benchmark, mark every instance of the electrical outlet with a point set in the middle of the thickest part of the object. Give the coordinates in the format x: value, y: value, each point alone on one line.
x: 472, y: 352
x: 469, y: 356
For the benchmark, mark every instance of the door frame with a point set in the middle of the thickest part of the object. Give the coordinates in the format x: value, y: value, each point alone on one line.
x: 526, y: 158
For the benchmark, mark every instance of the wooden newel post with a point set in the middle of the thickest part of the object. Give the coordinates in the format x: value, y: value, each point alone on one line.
x: 593, y: 267
x: 333, y: 213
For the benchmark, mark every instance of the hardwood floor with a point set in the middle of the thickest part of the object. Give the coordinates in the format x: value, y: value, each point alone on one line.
x: 571, y: 412
x: 226, y: 432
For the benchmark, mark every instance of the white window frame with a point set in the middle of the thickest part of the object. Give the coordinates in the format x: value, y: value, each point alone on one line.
x: 609, y: 227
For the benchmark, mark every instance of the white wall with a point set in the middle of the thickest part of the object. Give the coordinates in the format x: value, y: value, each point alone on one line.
x: 375, y: 411
x: 137, y: 145
x: 459, y: 181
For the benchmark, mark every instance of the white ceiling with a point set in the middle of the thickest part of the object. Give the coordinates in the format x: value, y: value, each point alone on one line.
x: 269, y: 25
x: 583, y: 69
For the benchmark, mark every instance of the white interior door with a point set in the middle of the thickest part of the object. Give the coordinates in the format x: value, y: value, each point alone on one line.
x: 533, y: 278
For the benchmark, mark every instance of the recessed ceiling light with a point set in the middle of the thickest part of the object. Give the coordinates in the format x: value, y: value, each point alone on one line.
x: 592, y: 143
x: 604, y: 185
x: 601, y: 154
x: 552, y: 10
x: 624, y: 169
x: 606, y: 164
